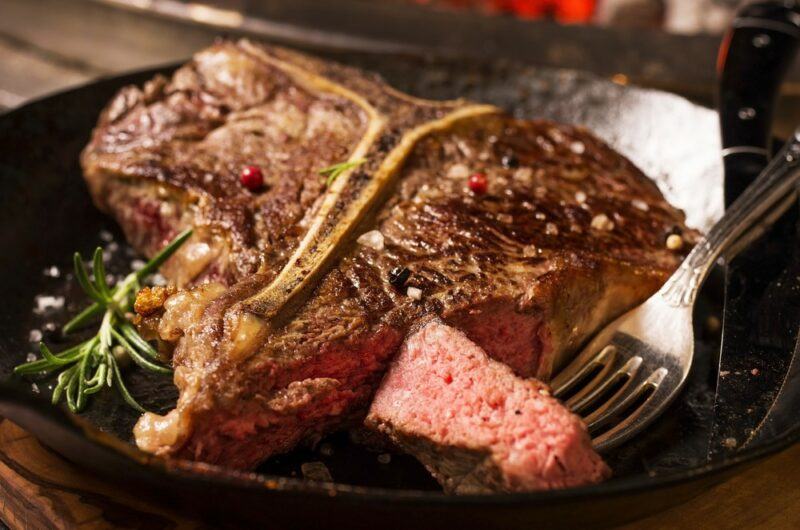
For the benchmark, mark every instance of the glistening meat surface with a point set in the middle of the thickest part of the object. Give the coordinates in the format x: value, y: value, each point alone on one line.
x: 475, y: 425
x: 568, y: 235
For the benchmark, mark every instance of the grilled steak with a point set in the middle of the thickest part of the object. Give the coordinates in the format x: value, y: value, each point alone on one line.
x: 291, y: 323
x: 475, y: 425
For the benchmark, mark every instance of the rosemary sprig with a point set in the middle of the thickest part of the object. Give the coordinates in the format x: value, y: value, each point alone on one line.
x: 91, y: 365
x: 332, y: 172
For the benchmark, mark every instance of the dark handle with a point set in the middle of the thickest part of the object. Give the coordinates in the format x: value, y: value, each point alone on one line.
x: 753, y: 60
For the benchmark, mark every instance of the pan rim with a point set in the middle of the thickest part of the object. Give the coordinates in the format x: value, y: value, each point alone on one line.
x: 10, y: 393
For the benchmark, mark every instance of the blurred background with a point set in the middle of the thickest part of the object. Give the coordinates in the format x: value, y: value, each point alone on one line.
x: 47, y: 45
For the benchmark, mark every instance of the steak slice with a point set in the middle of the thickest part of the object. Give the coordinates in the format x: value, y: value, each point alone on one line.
x: 292, y: 338
x: 476, y: 426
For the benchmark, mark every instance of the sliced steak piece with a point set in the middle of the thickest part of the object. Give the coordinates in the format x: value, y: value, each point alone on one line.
x: 568, y: 235
x: 476, y: 426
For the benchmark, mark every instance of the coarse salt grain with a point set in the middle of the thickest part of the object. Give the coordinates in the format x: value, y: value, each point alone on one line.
x: 414, y: 293
x: 35, y: 335
x: 544, y: 392
x: 551, y: 229
x: 372, y: 239
x: 166, y: 209
x: 540, y: 216
x: 602, y: 222
x: 639, y: 204
x: 46, y: 303
x: 30, y: 357
x: 505, y: 218
x: 137, y: 265
x: 580, y: 197
x: 577, y: 147
x: 729, y: 443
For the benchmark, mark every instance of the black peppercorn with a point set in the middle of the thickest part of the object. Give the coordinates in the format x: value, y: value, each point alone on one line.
x: 398, y: 277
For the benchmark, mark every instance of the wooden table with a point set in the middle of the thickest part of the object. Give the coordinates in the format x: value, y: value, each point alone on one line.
x: 38, y: 489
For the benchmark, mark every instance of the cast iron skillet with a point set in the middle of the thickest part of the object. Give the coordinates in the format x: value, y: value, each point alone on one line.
x: 46, y: 214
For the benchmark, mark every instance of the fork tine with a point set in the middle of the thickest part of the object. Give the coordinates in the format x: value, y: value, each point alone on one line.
x: 635, y: 419
x: 627, y: 371
x: 579, y: 369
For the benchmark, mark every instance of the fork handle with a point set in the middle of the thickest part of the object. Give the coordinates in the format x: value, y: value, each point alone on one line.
x: 760, y: 203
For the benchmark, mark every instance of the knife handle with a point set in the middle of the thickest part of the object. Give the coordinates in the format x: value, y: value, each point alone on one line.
x: 753, y: 60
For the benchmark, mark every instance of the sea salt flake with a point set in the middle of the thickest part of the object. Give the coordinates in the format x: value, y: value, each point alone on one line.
x: 729, y: 443
x: 31, y: 357
x: 577, y: 147
x: 52, y: 272
x: 35, y: 335
x: 505, y: 218
x: 372, y: 239
x: 35, y: 388
x: 602, y: 222
x: 137, y: 265
x: 540, y: 216
x: 46, y: 303
x: 414, y: 293
x: 106, y: 236
x: 580, y: 197
x: 551, y: 229
x: 166, y: 209
x: 639, y: 204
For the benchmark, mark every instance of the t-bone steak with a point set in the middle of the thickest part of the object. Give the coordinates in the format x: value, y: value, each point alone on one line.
x: 295, y: 297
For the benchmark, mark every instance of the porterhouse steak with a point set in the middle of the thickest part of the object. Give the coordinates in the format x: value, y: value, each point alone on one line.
x: 286, y: 324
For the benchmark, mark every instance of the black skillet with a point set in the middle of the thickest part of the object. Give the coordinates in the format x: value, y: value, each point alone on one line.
x: 45, y: 214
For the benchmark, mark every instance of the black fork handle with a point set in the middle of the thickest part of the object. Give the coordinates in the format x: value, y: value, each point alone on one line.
x: 753, y: 60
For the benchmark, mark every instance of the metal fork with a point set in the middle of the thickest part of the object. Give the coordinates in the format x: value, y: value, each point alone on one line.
x: 628, y: 374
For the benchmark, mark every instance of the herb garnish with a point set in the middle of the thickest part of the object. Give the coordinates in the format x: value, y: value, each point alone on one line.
x: 91, y: 365
x: 332, y: 172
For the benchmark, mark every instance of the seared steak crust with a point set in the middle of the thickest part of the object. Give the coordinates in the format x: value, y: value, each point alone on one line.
x: 568, y: 235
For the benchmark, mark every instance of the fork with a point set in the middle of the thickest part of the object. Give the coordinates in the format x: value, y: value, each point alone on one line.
x: 628, y: 374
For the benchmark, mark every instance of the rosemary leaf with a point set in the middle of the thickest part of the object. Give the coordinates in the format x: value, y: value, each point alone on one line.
x: 129, y: 332
x: 137, y: 357
x: 83, y: 279
x: 82, y: 318
x: 333, y: 172
x: 88, y: 367
x: 123, y: 390
x: 99, y: 270
x: 163, y: 255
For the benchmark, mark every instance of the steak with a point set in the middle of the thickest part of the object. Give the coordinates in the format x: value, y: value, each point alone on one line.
x: 297, y: 296
x: 474, y: 424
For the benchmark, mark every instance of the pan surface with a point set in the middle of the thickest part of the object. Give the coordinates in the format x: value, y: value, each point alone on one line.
x: 46, y: 214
